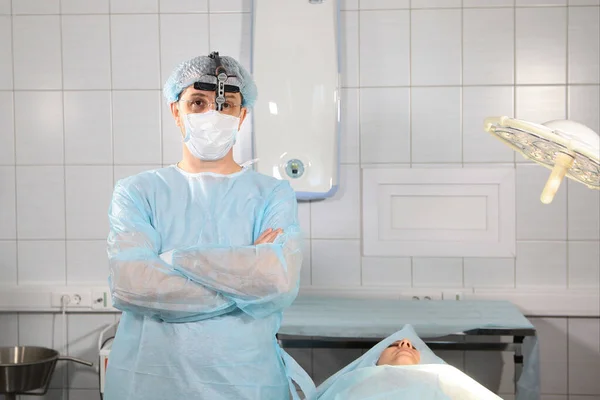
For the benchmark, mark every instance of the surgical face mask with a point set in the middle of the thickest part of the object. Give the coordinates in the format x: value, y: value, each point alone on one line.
x: 209, y: 136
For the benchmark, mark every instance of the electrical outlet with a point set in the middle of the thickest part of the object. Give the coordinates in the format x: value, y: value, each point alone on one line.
x: 101, y: 300
x: 72, y: 299
x: 422, y: 295
x: 453, y: 295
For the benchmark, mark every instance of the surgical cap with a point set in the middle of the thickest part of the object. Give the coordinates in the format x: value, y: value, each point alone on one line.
x: 202, y: 69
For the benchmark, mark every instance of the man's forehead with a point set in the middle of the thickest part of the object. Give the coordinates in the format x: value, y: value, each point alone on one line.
x: 193, y: 92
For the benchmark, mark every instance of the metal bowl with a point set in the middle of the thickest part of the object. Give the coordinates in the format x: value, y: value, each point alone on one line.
x: 25, y: 369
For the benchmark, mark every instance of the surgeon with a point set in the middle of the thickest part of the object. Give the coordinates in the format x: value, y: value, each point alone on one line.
x: 204, y: 255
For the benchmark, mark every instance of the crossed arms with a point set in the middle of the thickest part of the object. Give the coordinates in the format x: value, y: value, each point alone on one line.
x: 200, y: 282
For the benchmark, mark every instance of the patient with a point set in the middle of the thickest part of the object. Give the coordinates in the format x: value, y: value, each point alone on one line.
x: 401, y: 352
x: 401, y: 367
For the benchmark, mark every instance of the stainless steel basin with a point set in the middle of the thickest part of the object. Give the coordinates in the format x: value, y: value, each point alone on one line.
x: 28, y: 369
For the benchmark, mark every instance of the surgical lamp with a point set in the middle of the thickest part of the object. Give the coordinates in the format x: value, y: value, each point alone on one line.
x: 566, y: 147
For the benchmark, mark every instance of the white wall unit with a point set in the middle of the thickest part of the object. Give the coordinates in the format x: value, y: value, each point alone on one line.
x: 297, y: 113
x: 431, y: 212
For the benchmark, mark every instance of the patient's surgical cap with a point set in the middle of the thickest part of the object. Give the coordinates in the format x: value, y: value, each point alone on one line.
x: 202, y: 69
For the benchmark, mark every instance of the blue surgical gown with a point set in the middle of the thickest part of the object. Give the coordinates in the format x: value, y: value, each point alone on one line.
x: 201, y: 304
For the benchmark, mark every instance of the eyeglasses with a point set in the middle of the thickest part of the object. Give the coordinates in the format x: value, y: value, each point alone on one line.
x: 199, y: 106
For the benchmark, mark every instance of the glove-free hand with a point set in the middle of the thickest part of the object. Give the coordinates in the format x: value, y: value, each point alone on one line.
x: 268, y: 236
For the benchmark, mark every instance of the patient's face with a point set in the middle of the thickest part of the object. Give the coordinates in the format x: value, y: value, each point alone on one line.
x: 401, y: 352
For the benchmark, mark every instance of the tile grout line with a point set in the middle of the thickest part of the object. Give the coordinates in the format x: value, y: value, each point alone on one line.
x: 160, y: 80
x: 310, y: 242
x: 436, y: 86
x: 410, y: 86
x: 208, y: 24
x: 567, y: 351
x: 342, y: 9
x: 566, y: 183
x: 563, y: 241
x: 462, y: 82
x: 64, y: 139
x: 66, y: 377
x: 410, y: 118
x: 457, y: 165
x: 111, y: 94
x: 361, y: 243
x: 514, y: 89
x: 14, y: 109
x: 310, y: 224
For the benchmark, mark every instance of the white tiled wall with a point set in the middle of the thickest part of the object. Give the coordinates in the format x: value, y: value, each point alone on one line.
x: 80, y: 107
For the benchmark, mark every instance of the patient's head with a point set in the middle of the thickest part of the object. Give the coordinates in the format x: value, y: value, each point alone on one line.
x: 401, y: 352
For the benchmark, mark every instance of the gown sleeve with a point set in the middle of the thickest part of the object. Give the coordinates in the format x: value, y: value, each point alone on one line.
x: 140, y: 281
